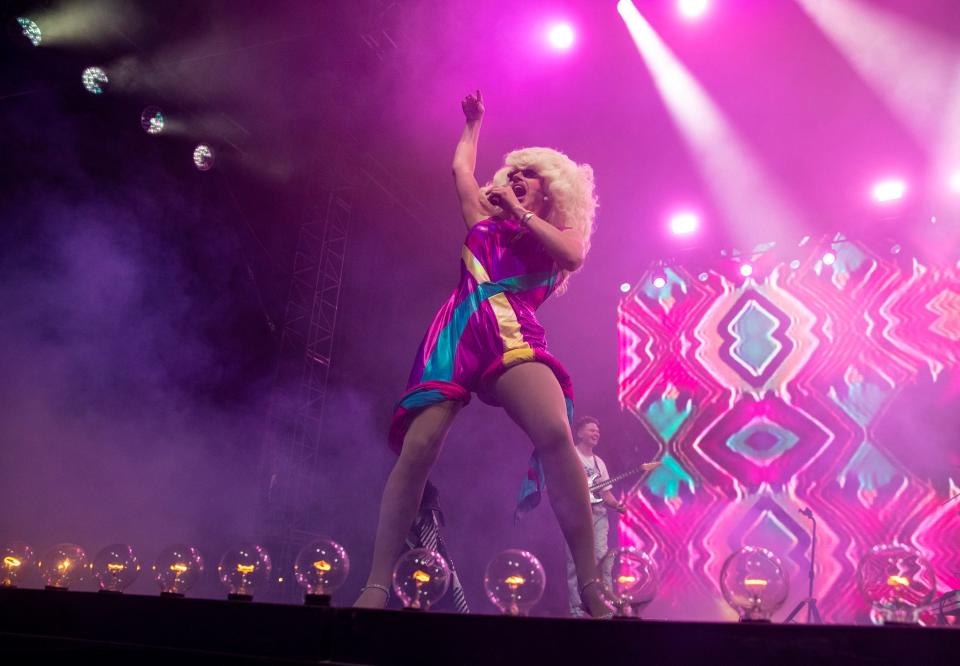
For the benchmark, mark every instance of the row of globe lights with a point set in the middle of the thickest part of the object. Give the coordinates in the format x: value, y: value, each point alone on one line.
x: 894, y: 578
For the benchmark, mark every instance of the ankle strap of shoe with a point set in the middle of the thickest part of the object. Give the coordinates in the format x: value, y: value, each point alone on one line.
x: 593, y: 581
x: 375, y: 586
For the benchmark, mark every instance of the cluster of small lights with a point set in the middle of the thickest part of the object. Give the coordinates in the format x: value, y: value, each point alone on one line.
x: 30, y: 30
x: 152, y: 120
x: 203, y: 157
x: 95, y: 80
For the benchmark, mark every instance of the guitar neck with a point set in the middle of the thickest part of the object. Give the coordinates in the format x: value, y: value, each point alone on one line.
x: 619, y: 477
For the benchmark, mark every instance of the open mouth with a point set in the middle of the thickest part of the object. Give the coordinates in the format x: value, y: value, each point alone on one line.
x: 519, y: 190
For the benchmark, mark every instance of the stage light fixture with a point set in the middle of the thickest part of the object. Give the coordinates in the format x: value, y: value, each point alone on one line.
x: 152, y: 120
x: 625, y: 287
x: 177, y: 569
x: 17, y: 558
x: 683, y: 224
x: 659, y: 282
x: 795, y: 264
x: 896, y: 581
x: 561, y: 36
x: 30, y: 30
x: 62, y: 566
x: 895, y: 248
x: 244, y: 570
x: 420, y: 578
x: 746, y: 270
x: 321, y: 568
x: 116, y: 567
x: 514, y: 581
x: 754, y: 583
x: 95, y: 80
x: 634, y: 579
x: 693, y: 9
x: 829, y: 258
x: 889, y: 190
x: 203, y: 157
x: 703, y: 277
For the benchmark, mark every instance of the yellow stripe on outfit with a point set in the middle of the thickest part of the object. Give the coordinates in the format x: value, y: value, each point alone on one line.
x: 515, y: 347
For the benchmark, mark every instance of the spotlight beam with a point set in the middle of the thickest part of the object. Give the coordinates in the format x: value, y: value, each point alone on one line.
x: 735, y: 178
x: 911, y: 68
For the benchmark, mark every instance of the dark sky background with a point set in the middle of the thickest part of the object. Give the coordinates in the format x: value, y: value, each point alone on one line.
x: 135, y: 350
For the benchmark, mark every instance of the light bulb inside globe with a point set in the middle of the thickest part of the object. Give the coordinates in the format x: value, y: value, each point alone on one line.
x: 17, y: 558
x: 514, y: 581
x: 420, y: 578
x: 244, y: 570
x: 62, y: 566
x: 897, y: 581
x: 633, y: 580
x: 321, y: 567
x: 177, y: 569
x: 754, y: 583
x: 116, y: 567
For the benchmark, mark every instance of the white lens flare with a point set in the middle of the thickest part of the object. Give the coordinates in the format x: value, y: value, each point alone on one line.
x: 889, y: 190
x: 561, y: 36
x: 693, y: 9
x: 683, y: 224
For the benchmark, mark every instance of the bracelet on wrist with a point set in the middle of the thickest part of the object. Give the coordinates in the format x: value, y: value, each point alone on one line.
x: 526, y: 217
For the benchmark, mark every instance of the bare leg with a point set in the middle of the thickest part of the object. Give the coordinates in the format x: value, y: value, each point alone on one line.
x: 403, y: 492
x: 532, y: 397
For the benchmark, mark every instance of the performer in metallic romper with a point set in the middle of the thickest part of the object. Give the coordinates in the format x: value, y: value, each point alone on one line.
x: 527, y: 231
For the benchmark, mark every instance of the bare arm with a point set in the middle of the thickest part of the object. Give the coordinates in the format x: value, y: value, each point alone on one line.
x: 564, y: 245
x: 473, y: 205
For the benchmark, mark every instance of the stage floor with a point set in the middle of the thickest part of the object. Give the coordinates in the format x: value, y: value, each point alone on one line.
x: 35, y: 624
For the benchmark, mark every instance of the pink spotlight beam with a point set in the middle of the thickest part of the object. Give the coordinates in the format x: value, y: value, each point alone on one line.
x: 561, y: 36
x: 693, y: 9
x: 889, y: 190
x: 683, y: 224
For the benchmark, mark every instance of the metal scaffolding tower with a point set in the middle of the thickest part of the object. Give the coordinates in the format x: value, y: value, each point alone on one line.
x: 291, y: 460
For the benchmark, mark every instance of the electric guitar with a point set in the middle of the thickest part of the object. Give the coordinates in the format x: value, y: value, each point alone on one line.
x: 595, y: 488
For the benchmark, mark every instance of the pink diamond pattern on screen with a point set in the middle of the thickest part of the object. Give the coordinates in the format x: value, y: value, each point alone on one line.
x: 823, y: 386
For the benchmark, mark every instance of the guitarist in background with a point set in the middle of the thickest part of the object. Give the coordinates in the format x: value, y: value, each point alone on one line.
x: 586, y: 436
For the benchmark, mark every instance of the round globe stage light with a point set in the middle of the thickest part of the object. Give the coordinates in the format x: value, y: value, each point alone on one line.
x: 203, y: 157
x: 514, y: 581
x: 420, y: 578
x: 95, y: 80
x: 177, y: 569
x: 152, y: 120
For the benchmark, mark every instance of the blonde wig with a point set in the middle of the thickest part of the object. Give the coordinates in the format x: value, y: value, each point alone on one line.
x: 569, y: 187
